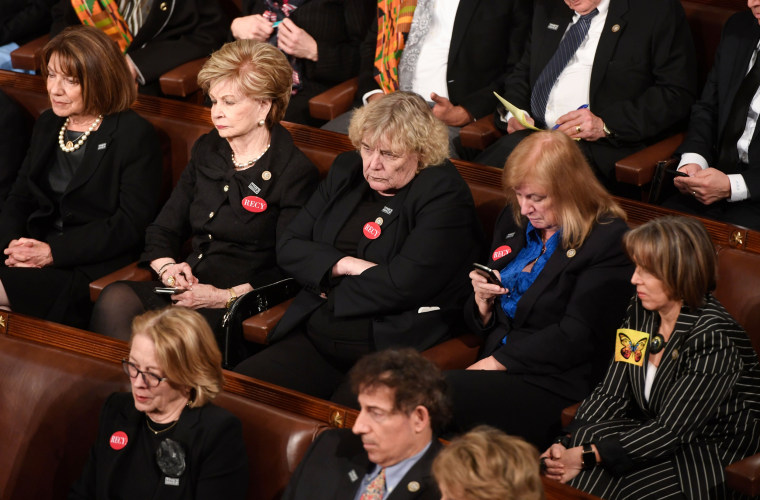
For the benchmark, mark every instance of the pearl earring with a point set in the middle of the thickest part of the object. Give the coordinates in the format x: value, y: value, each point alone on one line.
x: 261, y: 123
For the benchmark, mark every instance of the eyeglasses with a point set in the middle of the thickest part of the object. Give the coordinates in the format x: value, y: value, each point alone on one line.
x: 151, y: 379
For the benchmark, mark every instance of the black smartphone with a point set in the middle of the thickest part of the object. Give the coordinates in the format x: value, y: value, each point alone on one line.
x: 487, y: 273
x: 675, y: 173
x: 167, y: 290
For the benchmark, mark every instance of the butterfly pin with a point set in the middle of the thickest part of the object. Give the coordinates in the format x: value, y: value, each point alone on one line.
x: 629, y: 348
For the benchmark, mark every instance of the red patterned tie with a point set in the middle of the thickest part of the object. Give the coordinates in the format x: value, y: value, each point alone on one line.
x: 376, y: 489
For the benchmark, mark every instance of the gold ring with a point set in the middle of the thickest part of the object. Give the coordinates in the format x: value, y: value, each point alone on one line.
x: 171, y: 281
x: 577, y: 129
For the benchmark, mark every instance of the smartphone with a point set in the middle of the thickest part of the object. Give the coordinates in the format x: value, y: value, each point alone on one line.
x: 675, y: 173
x: 487, y: 273
x: 166, y: 290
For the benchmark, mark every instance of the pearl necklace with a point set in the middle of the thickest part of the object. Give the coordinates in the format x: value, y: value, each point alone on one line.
x: 70, y: 146
x: 241, y: 166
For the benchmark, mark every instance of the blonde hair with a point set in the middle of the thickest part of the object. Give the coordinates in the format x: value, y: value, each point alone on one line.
x: 258, y: 69
x: 186, y: 349
x: 405, y: 123
x: 677, y: 251
x: 553, y: 161
x: 90, y: 57
x: 486, y: 464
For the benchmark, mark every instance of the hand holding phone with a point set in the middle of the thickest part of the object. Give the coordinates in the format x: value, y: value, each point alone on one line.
x: 167, y: 290
x: 488, y: 273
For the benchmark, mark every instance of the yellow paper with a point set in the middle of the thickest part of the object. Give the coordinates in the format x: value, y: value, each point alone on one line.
x: 631, y: 346
x: 516, y: 112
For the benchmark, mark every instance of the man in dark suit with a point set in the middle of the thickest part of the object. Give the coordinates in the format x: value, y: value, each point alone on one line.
x: 628, y: 79
x: 454, y: 57
x: 388, y: 456
x: 166, y: 33
x: 721, y: 154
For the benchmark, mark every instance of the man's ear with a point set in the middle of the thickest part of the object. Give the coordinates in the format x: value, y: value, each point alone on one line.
x: 420, y: 418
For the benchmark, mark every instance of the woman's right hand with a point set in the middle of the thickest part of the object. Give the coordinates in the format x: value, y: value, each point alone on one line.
x: 181, y: 271
x: 485, y: 295
x: 253, y: 27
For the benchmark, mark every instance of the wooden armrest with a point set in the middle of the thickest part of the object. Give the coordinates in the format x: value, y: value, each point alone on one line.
x: 568, y: 414
x: 334, y: 101
x: 638, y: 168
x: 26, y: 57
x: 480, y: 134
x: 257, y: 328
x: 455, y: 354
x: 182, y: 80
x: 130, y: 272
x: 744, y: 476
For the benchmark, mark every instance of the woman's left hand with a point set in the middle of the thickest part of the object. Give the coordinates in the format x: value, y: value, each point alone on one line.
x: 202, y: 296
x: 296, y: 42
x: 351, y: 266
x: 563, y: 464
x: 27, y: 252
x: 488, y: 363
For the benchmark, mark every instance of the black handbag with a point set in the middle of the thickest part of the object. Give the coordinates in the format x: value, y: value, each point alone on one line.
x: 233, y: 345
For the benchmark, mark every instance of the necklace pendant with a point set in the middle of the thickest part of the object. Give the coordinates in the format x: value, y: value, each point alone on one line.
x: 69, y: 144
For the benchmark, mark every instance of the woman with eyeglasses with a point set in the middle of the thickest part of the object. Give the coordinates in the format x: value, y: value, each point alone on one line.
x: 165, y: 439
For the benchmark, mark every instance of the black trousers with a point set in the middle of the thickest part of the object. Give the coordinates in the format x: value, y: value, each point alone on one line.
x: 505, y: 401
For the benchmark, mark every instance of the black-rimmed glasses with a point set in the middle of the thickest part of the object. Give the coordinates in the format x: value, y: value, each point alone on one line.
x: 151, y: 379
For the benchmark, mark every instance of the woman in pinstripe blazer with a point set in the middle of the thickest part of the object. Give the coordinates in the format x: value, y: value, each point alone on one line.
x: 672, y: 411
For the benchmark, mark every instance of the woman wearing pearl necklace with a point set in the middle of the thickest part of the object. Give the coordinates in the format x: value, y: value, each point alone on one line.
x: 88, y: 187
x: 245, y: 181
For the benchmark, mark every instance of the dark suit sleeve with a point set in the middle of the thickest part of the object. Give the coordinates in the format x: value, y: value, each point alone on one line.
x: 367, y: 61
x: 224, y: 463
x: 652, y: 109
x: 575, y: 336
x: 14, y: 140
x: 196, y: 29
x: 140, y: 165
x: 433, y: 252
x: 29, y: 22
x: 481, y: 102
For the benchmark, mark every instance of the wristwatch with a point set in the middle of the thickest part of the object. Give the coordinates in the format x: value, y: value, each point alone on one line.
x: 588, y: 457
x: 607, y: 132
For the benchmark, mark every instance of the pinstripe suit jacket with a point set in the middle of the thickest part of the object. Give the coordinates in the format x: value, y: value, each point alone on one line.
x: 703, y: 410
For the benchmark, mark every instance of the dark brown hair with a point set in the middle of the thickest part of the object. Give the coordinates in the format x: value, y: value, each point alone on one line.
x: 415, y: 381
x: 677, y: 251
x: 94, y: 60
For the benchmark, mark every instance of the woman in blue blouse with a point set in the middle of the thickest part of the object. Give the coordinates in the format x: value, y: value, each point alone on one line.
x: 564, y: 285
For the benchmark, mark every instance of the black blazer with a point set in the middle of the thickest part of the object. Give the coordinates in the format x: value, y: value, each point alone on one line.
x: 15, y: 129
x: 212, y: 438
x: 336, y: 462
x: 338, y: 27
x: 231, y: 245
x: 23, y: 20
x: 426, y: 247
x: 710, y: 114
x: 703, y: 411
x: 559, y: 338
x: 643, y: 80
x: 486, y: 42
x: 175, y: 32
x: 111, y: 199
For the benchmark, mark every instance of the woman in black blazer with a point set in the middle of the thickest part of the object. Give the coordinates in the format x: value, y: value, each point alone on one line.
x: 681, y: 398
x: 382, y: 250
x: 88, y: 187
x: 320, y: 37
x: 166, y: 439
x: 562, y: 283
x: 245, y: 181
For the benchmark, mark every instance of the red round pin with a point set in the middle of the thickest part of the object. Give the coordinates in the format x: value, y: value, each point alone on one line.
x: 118, y: 440
x: 371, y: 230
x: 500, y: 252
x: 254, y: 204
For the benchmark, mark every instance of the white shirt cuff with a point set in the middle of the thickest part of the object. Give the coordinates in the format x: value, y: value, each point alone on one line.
x: 366, y: 96
x: 693, y: 158
x: 739, y: 191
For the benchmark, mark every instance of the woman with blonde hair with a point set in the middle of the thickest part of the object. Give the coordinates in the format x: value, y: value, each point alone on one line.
x: 560, y: 283
x: 487, y: 464
x: 245, y: 181
x: 382, y: 251
x: 165, y: 438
